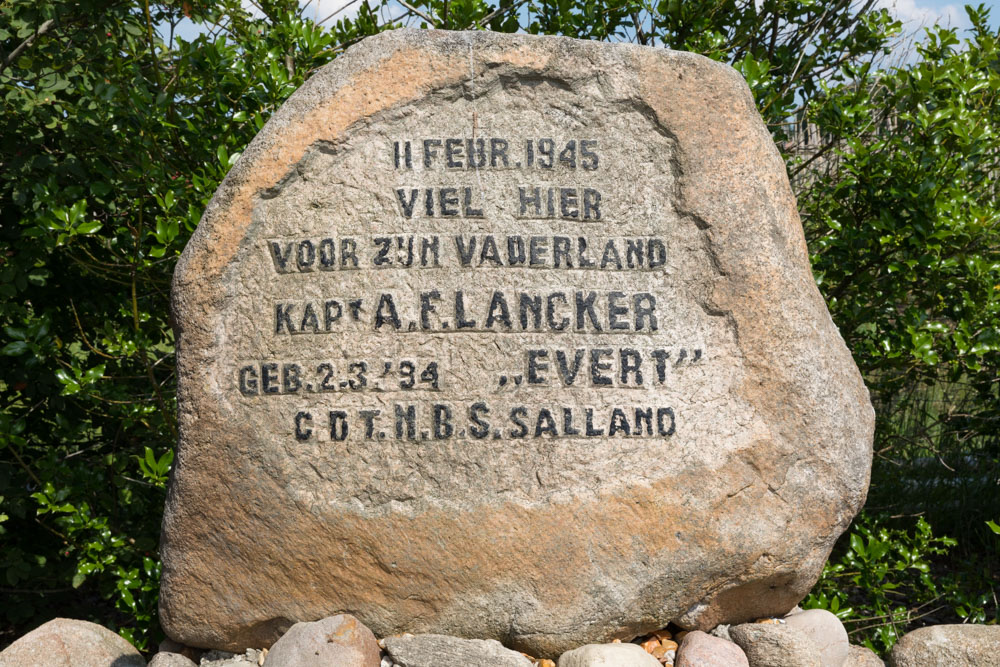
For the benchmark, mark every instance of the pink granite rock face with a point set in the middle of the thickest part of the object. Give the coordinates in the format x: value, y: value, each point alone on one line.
x: 469, y: 305
x: 338, y: 640
x: 700, y: 649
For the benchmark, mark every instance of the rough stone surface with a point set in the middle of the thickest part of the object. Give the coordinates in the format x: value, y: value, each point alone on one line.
x: 948, y: 645
x: 66, y: 642
x: 721, y: 631
x: 826, y: 632
x: 170, y: 646
x: 229, y: 659
x: 703, y: 650
x: 337, y: 640
x: 433, y: 650
x: 749, y: 404
x: 774, y: 645
x: 862, y: 656
x: 163, y: 659
x: 608, y: 655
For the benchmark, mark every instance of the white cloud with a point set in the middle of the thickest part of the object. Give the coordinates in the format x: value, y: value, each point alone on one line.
x: 916, y: 17
x: 317, y: 10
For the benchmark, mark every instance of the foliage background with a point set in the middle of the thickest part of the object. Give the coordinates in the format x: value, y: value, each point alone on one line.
x: 115, y: 132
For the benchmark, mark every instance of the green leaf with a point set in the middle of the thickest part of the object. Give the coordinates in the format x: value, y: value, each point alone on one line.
x: 857, y: 545
x: 14, y: 349
x: 88, y: 227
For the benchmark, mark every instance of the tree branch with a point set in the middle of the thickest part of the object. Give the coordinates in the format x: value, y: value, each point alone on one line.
x: 42, y: 29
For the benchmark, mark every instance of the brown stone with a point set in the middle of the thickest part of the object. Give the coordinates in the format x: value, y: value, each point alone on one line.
x: 284, y: 505
x: 65, y: 642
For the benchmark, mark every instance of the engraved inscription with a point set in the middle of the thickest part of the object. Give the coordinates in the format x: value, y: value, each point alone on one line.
x: 557, y: 283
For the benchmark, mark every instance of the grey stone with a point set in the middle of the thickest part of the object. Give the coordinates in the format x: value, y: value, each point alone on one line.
x: 721, y: 631
x: 229, y: 659
x: 65, y: 642
x: 703, y: 650
x: 826, y: 632
x: 337, y: 640
x: 608, y: 655
x: 434, y: 650
x: 948, y: 645
x: 170, y: 646
x: 165, y: 659
x: 447, y: 527
x: 775, y: 645
x: 862, y: 656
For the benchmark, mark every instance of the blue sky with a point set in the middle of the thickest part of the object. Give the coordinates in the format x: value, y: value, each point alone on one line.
x: 915, y: 14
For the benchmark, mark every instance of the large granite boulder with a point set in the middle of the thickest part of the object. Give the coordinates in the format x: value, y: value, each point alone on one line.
x: 505, y: 337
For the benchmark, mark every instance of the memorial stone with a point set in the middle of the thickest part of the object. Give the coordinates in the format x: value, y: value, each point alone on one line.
x: 505, y: 337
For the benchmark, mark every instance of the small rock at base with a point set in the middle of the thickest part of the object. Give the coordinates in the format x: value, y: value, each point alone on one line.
x: 700, y: 649
x: 826, y: 632
x: 65, y: 642
x: 438, y: 650
x: 721, y: 631
x: 168, y: 645
x: 767, y: 645
x: 167, y: 659
x: 608, y: 655
x: 336, y: 640
x: 952, y: 645
x: 226, y: 659
x: 862, y: 656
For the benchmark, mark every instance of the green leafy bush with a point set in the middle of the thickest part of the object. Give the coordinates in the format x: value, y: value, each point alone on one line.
x: 881, y: 580
x: 115, y: 134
